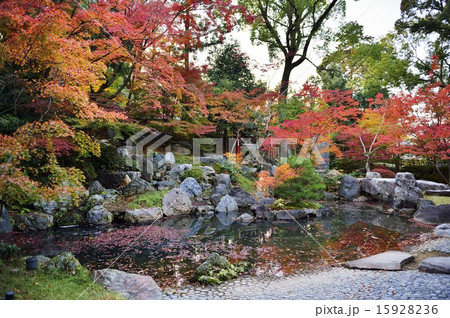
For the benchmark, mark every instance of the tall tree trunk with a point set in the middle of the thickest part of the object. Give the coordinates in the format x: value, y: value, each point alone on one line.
x: 288, y: 67
x: 367, y: 163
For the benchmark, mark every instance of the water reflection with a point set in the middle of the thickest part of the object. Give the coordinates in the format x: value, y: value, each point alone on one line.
x: 171, y: 249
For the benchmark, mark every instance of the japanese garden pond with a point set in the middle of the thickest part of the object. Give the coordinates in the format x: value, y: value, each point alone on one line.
x: 171, y: 249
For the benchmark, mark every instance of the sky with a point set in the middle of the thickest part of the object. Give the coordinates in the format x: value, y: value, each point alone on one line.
x: 376, y: 16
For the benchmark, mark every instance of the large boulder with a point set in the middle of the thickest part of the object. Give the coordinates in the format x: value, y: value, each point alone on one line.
x: 431, y: 186
x: 221, y: 191
x: 191, y: 187
x: 98, y: 215
x: 434, y: 214
x: 224, y: 178
x: 227, y: 204
x: 136, y: 187
x: 143, y: 215
x: 131, y: 286
x: 388, y: 261
x: 349, y: 188
x: 5, y: 222
x: 96, y: 188
x: 242, y: 197
x: 33, y: 221
x: 63, y: 204
x: 379, y: 188
x: 439, y: 265
x: 115, y: 180
x: 176, y: 202
x: 406, y: 194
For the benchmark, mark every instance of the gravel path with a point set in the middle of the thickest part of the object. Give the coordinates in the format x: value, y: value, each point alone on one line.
x: 336, y: 283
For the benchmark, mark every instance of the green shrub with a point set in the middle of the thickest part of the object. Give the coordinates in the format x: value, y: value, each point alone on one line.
x: 8, y: 251
x: 246, y: 183
x: 332, y: 182
x: 230, y: 168
x: 68, y: 218
x: 195, y: 173
x: 308, y: 185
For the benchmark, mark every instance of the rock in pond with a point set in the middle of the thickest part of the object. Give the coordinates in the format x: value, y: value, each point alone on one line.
x: 131, y: 286
x: 437, y: 214
x: 33, y: 221
x: 442, y: 230
x: 221, y: 191
x: 439, y: 264
x: 227, y: 204
x: 242, y: 197
x: 176, y: 202
x: 261, y: 211
x: 389, y: 261
x: 217, y: 269
x: 98, y: 215
x: 291, y: 215
x: 379, y: 188
x: 191, y: 187
x: 245, y: 218
x: 349, y: 188
x: 143, y: 215
x: 406, y: 194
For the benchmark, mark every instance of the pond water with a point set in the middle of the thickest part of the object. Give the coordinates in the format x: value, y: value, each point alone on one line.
x: 171, y: 249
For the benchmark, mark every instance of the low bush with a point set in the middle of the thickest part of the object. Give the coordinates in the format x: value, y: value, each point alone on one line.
x: 148, y: 200
x: 8, y: 251
x: 384, y: 172
x: 195, y: 173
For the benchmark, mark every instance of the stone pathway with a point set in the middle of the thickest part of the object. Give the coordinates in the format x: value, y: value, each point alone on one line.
x: 336, y: 283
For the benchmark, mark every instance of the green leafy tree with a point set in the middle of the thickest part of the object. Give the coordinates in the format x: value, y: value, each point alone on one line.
x: 289, y: 27
x: 230, y: 70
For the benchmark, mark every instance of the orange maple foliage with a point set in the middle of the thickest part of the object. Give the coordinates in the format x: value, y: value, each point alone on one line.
x: 266, y: 183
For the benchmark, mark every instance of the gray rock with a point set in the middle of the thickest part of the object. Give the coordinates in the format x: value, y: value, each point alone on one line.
x: 389, y: 261
x: 62, y: 204
x: 96, y: 199
x: 382, y: 189
x: 143, y: 215
x: 137, y: 186
x: 372, y: 174
x: 170, y: 158
x: 115, y: 180
x: 131, y: 286
x: 180, y: 150
x: 191, y: 187
x: 177, y: 171
x: 440, y: 193
x: 124, y: 152
x: 442, y: 230
x: 406, y: 194
x: 245, y: 218
x: 227, y: 204
x: 425, y: 185
x: 242, y: 197
x: 424, y: 204
x: 5, y: 222
x: 33, y: 221
x: 439, y: 265
x: 208, y: 171
x: 433, y: 215
x: 111, y: 194
x: 288, y: 215
x: 349, y: 188
x: 99, y: 215
x: 323, y: 212
x: 221, y: 190
x: 42, y: 260
x: 261, y: 211
x: 96, y: 188
x: 176, y: 202
x: 205, y: 209
x: 223, y: 178
x: 164, y: 185
x: 267, y: 201
x: 212, y: 159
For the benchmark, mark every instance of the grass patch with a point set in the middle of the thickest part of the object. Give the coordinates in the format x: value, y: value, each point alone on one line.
x: 246, y: 183
x: 55, y: 285
x: 438, y: 200
x: 148, y: 200
x: 182, y: 159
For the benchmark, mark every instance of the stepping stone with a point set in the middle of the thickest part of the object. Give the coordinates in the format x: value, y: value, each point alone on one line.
x: 131, y: 286
x: 388, y: 261
x: 439, y: 265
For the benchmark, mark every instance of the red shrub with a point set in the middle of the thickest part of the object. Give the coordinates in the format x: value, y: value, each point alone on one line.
x: 385, y: 173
